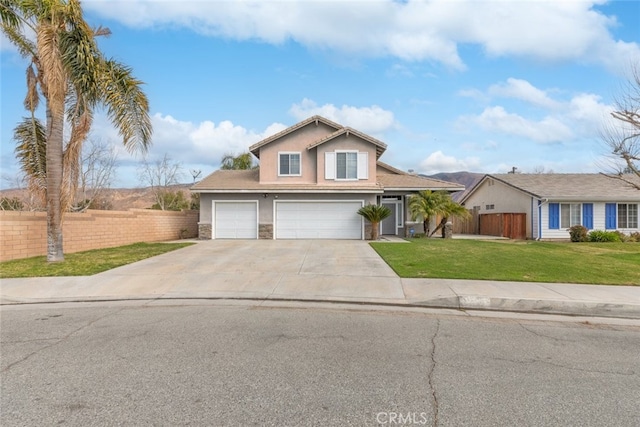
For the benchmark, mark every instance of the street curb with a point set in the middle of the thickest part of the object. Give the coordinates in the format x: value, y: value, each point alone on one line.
x: 536, y: 306
x: 461, y: 303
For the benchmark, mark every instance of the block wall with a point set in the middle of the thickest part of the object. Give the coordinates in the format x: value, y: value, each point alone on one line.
x: 24, y: 234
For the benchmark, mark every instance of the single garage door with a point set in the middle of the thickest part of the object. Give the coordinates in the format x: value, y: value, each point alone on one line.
x: 235, y: 220
x: 318, y: 220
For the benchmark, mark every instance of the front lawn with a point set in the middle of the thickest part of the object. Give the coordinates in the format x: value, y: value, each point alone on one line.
x: 85, y: 263
x: 527, y: 261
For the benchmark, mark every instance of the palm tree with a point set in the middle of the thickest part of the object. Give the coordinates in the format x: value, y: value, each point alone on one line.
x: 374, y: 214
x: 426, y: 204
x: 242, y: 161
x: 68, y: 70
x: 450, y: 209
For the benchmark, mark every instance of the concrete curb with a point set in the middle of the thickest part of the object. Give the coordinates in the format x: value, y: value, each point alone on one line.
x: 462, y: 303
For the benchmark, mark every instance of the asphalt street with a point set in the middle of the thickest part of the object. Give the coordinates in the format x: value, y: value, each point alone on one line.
x: 240, y: 363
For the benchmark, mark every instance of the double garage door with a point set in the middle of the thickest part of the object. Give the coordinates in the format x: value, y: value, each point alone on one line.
x: 293, y: 220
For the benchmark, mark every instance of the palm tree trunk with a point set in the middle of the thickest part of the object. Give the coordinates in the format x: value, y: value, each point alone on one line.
x: 374, y: 231
x: 54, y: 185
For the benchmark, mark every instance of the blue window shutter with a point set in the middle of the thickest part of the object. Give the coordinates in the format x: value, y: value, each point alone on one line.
x: 587, y: 215
x: 610, y: 216
x: 554, y: 216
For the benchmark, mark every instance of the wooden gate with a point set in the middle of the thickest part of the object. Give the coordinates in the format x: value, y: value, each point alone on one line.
x: 511, y: 225
x: 469, y: 225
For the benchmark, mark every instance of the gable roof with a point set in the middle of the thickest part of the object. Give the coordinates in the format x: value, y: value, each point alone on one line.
x: 395, y: 179
x: 254, y: 149
x: 577, y: 186
x: 380, y: 146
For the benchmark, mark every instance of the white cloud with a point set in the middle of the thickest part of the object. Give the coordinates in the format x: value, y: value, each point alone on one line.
x: 410, y: 30
x: 523, y: 90
x: 497, y: 119
x: 439, y: 162
x: 194, y: 145
x: 581, y: 116
x: 203, y: 142
x: 373, y: 120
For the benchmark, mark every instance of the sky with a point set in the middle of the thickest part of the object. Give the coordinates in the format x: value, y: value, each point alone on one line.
x: 479, y: 86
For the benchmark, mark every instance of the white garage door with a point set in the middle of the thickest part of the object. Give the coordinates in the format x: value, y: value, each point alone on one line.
x: 235, y: 220
x: 318, y: 220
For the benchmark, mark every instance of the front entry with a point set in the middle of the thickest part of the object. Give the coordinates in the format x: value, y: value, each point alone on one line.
x: 389, y: 225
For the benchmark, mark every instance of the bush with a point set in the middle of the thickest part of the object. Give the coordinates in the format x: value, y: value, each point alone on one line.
x: 11, y: 204
x: 634, y: 237
x: 578, y: 233
x: 171, y: 201
x: 604, y: 236
x: 623, y: 237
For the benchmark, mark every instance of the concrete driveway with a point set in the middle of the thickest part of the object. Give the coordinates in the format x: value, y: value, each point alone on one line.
x: 339, y: 269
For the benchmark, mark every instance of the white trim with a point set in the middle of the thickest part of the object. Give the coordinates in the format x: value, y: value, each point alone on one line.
x: 299, y: 159
x: 213, y: 215
x: 276, y: 202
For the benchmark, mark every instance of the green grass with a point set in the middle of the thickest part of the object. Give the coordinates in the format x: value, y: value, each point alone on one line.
x: 594, y: 263
x: 85, y: 263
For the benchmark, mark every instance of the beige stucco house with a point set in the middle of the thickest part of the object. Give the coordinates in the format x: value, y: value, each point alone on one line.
x: 555, y: 202
x: 312, y: 179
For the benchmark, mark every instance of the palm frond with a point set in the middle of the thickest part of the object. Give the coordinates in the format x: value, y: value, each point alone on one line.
x: 127, y: 105
x: 9, y: 14
x: 30, y: 150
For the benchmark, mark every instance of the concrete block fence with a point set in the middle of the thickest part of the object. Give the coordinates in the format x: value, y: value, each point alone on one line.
x: 24, y: 234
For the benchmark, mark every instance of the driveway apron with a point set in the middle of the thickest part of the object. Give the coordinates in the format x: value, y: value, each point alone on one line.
x: 275, y: 269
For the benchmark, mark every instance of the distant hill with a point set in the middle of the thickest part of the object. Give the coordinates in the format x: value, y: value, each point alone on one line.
x: 118, y: 198
x: 468, y: 179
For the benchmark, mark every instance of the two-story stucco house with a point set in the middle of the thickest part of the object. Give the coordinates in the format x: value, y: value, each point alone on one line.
x: 555, y: 202
x: 312, y: 179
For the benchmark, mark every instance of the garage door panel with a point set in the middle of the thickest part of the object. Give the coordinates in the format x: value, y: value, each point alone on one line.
x: 318, y: 220
x: 236, y: 220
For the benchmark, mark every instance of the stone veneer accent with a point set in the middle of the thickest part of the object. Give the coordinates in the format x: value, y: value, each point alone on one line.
x: 204, y: 231
x: 265, y: 231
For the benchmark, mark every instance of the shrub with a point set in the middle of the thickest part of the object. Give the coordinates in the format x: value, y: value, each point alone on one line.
x: 604, y: 236
x: 578, y: 233
x: 11, y: 204
x: 170, y: 201
x: 623, y: 237
x: 634, y: 237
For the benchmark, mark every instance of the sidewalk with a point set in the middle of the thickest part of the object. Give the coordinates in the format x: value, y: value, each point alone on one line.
x: 326, y: 271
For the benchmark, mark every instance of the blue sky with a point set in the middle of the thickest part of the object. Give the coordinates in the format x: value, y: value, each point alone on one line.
x: 478, y: 86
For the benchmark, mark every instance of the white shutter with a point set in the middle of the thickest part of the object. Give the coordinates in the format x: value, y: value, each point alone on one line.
x: 329, y: 165
x: 363, y: 165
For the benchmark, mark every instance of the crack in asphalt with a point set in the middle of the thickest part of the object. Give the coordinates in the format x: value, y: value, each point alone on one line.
x: 60, y: 340
x: 531, y: 331
x: 434, y: 396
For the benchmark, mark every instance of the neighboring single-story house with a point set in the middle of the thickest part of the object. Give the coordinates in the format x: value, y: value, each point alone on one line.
x: 555, y: 202
x: 312, y: 179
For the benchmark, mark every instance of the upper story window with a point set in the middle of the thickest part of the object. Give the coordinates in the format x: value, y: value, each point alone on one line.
x: 346, y: 165
x: 289, y: 164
